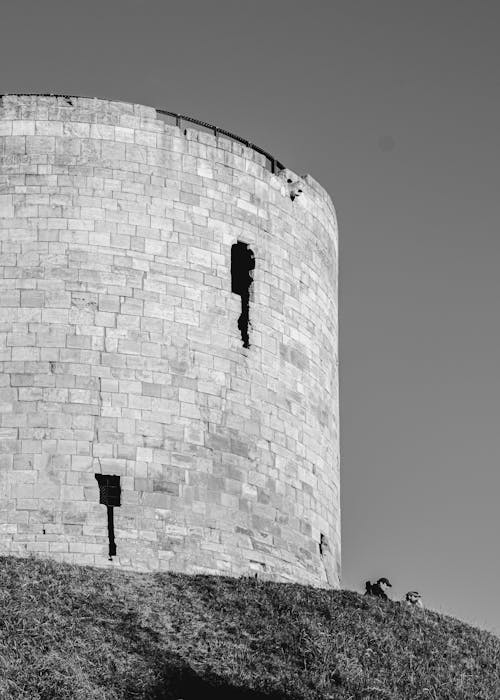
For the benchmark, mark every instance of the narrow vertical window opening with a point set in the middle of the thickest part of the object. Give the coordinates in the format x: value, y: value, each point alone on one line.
x: 242, y: 265
x: 109, y: 496
x: 323, y: 546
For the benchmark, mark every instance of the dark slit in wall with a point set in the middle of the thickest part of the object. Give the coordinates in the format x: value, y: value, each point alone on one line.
x: 109, y: 496
x: 322, y: 544
x: 111, y: 532
x: 242, y: 265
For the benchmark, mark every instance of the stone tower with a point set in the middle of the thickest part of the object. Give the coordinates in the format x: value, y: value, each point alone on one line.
x: 168, y: 347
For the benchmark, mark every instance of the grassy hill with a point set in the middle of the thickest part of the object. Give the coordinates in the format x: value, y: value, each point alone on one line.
x: 88, y: 634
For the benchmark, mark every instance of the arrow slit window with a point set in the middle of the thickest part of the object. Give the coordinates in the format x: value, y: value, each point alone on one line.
x: 242, y: 266
x: 109, y: 496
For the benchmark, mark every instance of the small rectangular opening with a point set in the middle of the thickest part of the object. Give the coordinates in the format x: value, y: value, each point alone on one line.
x: 109, y: 489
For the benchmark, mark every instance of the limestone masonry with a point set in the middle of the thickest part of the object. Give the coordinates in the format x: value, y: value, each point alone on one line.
x: 168, y: 348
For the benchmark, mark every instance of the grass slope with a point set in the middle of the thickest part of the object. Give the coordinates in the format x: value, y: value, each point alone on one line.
x: 88, y: 634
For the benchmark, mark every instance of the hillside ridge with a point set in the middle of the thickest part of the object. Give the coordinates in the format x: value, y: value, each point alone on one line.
x: 69, y: 631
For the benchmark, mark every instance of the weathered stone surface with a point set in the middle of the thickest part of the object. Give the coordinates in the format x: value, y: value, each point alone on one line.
x: 121, y: 354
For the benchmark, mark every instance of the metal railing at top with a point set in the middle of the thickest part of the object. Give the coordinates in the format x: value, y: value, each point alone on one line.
x: 272, y: 163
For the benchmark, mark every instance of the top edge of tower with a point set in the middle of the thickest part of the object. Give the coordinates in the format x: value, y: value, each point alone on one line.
x: 181, y: 121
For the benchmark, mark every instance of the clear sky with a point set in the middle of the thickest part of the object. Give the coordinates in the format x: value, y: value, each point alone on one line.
x: 393, y: 105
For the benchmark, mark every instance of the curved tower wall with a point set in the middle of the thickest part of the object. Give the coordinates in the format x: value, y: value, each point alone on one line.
x: 120, y: 350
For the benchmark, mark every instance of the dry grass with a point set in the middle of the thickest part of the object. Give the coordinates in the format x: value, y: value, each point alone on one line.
x: 88, y: 634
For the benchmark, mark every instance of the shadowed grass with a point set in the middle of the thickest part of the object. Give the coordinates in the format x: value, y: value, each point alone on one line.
x: 88, y: 634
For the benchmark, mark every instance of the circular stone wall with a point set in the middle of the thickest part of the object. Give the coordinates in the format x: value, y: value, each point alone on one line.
x: 123, y: 353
